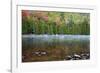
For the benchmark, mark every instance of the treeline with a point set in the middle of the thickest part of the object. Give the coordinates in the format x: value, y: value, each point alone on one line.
x: 39, y: 22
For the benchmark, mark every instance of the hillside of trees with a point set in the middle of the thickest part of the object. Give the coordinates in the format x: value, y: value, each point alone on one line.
x: 43, y: 22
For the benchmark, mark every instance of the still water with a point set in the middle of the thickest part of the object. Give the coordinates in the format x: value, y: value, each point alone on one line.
x: 55, y: 47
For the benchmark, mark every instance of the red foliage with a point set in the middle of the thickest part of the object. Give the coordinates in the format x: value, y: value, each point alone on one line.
x: 25, y: 13
x: 45, y: 18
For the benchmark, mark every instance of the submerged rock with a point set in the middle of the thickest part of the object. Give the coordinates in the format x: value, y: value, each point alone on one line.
x: 43, y: 53
x: 77, y: 57
x: 39, y: 53
x: 68, y: 57
x: 85, y: 56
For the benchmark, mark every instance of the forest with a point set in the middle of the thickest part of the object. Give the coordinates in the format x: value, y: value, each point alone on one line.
x: 51, y: 22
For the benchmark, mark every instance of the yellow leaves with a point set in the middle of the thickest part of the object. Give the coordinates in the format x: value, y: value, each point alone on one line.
x: 40, y: 15
x: 57, y: 21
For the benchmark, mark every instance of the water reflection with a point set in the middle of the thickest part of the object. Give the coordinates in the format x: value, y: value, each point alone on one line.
x: 54, y: 47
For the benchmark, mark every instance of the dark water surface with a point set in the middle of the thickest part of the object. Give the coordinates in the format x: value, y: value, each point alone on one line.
x: 55, y: 47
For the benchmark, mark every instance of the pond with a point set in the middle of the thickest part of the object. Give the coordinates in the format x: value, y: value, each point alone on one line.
x: 37, y: 48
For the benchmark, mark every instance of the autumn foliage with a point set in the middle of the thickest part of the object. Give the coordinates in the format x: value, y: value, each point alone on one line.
x: 43, y: 22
